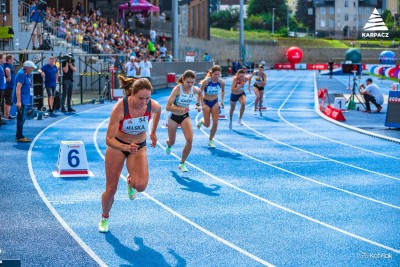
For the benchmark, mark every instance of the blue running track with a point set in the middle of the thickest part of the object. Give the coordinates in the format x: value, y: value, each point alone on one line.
x: 285, y: 189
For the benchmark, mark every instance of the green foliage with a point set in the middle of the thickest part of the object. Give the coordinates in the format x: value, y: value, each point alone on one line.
x: 225, y: 19
x: 258, y: 22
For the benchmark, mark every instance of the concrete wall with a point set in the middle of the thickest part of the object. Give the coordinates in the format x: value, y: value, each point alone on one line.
x: 220, y: 50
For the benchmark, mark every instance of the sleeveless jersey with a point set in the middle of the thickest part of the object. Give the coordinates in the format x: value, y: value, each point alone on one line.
x: 184, y: 99
x: 241, y: 88
x: 134, y: 126
x: 259, y: 79
x: 212, y: 88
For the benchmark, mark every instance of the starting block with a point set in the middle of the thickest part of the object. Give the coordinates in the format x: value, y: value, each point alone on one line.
x: 334, y: 113
x: 72, y: 160
x: 222, y: 114
x: 262, y: 107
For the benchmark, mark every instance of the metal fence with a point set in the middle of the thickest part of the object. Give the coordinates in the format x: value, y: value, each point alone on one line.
x: 97, y: 71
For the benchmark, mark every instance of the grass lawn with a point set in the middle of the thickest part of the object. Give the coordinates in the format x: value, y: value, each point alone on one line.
x: 305, y: 42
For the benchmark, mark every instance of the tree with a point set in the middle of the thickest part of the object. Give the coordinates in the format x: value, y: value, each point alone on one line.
x: 225, y: 19
x: 256, y: 7
x: 263, y: 7
x: 302, y: 12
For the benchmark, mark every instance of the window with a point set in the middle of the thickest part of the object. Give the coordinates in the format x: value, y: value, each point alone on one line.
x: 323, y: 24
x: 310, y: 11
x: 331, y: 23
x: 322, y: 11
x: 331, y: 10
x: 346, y: 3
x: 338, y: 10
x: 346, y: 17
x: 367, y: 11
x: 354, y: 4
x: 360, y: 23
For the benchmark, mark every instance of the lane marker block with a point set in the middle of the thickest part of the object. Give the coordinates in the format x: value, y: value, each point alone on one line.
x: 222, y: 114
x: 72, y: 160
x: 334, y: 113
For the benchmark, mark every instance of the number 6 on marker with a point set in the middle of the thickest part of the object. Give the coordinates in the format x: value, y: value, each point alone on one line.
x: 72, y: 158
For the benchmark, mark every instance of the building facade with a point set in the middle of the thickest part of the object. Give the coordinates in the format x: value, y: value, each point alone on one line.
x: 346, y: 18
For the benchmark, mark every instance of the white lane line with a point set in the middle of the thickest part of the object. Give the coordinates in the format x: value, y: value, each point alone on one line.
x: 71, y: 232
x: 180, y: 216
x: 282, y: 207
x: 301, y: 176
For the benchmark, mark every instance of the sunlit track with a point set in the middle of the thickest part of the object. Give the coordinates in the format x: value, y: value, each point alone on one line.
x: 322, y: 137
x: 272, y: 203
x: 285, y: 208
x: 180, y: 216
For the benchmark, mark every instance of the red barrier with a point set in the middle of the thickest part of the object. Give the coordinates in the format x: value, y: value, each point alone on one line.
x: 334, y: 113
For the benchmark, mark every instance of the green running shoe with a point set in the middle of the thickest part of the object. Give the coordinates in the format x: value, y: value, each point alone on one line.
x: 103, y: 225
x: 182, y: 167
x: 132, y: 193
x: 211, y: 144
x: 168, y: 150
x: 199, y: 124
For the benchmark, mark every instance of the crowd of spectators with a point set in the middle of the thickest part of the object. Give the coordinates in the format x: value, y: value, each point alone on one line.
x: 100, y: 35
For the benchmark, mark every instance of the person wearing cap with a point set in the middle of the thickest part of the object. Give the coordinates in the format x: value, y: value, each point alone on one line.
x: 371, y: 93
x: 22, y: 97
x: 131, y: 67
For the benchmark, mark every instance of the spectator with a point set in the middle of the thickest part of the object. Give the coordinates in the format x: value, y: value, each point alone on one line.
x: 162, y: 17
x: 153, y: 35
x: 37, y: 20
x: 145, y: 67
x: 10, y: 83
x: 2, y: 87
x: 132, y: 68
x: 50, y: 73
x: 68, y: 68
x: 206, y: 57
x: 151, y: 49
x: 372, y: 93
x: 163, y: 52
x: 21, y: 97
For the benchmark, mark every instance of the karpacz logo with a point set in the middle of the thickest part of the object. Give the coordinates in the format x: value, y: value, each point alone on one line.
x: 375, y: 23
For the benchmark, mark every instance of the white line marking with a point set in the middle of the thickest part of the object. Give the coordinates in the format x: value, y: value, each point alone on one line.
x: 85, y: 247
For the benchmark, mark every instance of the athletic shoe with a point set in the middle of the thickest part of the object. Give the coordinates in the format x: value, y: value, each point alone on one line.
x: 9, y: 118
x: 211, y: 144
x: 199, y: 124
x: 240, y: 122
x: 230, y: 125
x: 182, y: 167
x: 71, y: 110
x: 103, y: 225
x: 132, y: 192
x: 379, y: 109
x: 168, y: 150
x: 23, y: 140
x: 260, y: 113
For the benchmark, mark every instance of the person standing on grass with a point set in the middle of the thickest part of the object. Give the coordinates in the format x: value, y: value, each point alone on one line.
x: 178, y: 104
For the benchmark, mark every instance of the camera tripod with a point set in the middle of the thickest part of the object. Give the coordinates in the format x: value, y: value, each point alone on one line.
x: 351, y: 104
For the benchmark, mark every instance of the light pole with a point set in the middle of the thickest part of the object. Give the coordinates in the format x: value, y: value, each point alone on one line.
x: 273, y: 21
